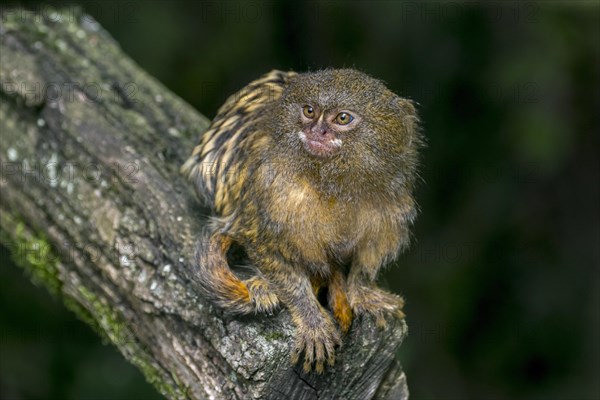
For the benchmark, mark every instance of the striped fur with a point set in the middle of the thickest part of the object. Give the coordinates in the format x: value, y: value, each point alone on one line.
x: 214, y: 164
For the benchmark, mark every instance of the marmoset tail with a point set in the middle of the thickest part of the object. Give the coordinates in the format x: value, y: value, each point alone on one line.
x: 312, y: 175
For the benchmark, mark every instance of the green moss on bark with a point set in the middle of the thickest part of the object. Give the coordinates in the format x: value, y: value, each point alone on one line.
x: 34, y: 254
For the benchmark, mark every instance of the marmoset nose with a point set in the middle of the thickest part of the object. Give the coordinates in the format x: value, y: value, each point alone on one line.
x: 319, y: 129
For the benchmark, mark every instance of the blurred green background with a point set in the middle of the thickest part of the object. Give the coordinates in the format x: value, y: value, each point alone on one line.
x: 502, y: 282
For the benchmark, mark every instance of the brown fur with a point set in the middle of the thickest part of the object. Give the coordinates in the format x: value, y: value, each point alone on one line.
x: 308, y: 221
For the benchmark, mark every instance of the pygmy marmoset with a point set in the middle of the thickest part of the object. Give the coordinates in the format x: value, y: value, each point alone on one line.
x: 312, y: 175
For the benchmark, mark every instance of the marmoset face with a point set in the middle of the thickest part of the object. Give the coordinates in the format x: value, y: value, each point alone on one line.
x: 343, y: 113
x: 323, y: 129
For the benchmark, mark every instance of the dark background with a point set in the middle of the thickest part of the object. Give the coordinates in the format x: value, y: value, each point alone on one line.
x: 502, y: 282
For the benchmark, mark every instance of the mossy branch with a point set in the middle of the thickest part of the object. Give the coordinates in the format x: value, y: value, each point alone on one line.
x: 93, y: 206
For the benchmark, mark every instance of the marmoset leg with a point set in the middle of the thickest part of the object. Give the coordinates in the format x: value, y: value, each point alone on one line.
x: 366, y: 298
x: 222, y: 286
x: 316, y: 333
x: 338, y: 300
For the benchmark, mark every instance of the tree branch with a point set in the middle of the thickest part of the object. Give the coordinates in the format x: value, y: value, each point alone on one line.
x: 94, y: 208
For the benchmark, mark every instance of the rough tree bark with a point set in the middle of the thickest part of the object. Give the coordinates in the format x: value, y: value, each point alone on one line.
x: 94, y: 208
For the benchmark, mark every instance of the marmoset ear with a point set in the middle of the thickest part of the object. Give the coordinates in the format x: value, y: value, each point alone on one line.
x: 409, y: 119
x: 406, y: 106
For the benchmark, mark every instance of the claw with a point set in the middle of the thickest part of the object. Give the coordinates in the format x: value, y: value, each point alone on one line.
x: 307, y: 366
x: 317, y: 345
x: 380, y: 321
x: 319, y: 367
x: 295, y: 357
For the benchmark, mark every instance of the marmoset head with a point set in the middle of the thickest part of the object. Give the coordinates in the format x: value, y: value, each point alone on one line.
x: 346, y: 122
